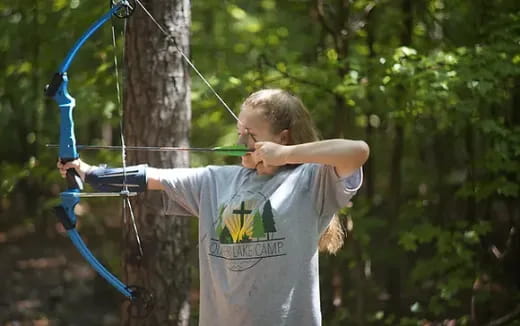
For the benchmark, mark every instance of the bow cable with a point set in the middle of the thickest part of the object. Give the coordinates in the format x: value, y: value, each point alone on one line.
x: 124, y: 192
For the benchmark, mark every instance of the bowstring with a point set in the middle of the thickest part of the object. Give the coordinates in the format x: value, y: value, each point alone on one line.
x: 127, y: 205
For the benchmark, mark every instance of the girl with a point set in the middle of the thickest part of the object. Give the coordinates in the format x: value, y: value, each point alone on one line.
x: 261, y: 223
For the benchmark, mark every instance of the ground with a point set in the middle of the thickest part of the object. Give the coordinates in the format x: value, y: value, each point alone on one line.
x: 45, y: 281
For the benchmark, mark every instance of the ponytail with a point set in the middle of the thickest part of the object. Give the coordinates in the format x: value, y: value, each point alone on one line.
x: 333, y: 238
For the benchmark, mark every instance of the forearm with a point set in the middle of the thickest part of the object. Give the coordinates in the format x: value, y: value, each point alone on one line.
x: 131, y: 178
x: 95, y: 175
x: 345, y: 155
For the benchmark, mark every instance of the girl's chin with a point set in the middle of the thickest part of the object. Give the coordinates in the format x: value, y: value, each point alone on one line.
x: 248, y: 163
x: 260, y: 168
x: 263, y: 170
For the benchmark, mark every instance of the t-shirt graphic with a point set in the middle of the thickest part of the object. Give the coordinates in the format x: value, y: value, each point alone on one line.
x: 246, y: 233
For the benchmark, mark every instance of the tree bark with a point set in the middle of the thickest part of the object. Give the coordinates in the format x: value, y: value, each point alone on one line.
x: 157, y: 113
x: 395, y: 271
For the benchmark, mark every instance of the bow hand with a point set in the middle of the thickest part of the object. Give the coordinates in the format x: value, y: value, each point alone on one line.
x: 74, y: 171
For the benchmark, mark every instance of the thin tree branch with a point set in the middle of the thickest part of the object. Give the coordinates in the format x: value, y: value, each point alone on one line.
x: 506, y: 318
x: 323, y: 19
x: 500, y: 255
x: 264, y: 60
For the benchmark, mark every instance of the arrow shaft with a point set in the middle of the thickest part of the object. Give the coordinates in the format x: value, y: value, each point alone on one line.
x: 158, y: 148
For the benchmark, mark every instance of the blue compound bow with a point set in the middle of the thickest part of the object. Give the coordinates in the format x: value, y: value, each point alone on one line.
x: 141, y: 300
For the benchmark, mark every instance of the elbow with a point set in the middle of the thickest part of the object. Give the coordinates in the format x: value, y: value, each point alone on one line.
x: 363, y: 152
x: 355, y: 156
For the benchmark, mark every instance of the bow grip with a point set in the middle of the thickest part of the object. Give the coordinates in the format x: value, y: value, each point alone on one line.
x: 73, y: 179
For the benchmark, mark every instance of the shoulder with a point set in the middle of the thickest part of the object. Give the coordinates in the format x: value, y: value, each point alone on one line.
x: 319, y: 174
x: 160, y: 179
x: 226, y: 172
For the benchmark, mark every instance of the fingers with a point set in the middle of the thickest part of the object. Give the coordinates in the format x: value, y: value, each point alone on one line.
x: 263, y: 152
x: 259, y: 144
x: 63, y: 167
x: 263, y: 155
x: 257, y: 154
x: 271, y: 154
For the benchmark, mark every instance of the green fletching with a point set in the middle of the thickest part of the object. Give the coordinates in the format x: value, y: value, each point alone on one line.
x: 234, y: 150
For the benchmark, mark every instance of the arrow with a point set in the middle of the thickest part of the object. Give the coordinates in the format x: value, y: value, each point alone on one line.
x: 234, y: 150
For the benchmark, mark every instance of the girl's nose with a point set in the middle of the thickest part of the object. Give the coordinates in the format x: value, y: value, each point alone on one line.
x: 243, y: 139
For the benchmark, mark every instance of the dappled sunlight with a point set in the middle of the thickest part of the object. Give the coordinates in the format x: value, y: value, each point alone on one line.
x: 42, y: 263
x: 17, y: 232
x: 28, y: 304
x: 79, y: 272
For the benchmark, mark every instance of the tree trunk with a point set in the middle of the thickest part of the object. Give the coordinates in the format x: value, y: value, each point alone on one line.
x: 157, y: 113
x: 395, y: 271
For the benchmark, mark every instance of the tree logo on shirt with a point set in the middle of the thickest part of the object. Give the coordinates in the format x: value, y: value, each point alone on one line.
x: 244, y: 225
x: 246, y: 234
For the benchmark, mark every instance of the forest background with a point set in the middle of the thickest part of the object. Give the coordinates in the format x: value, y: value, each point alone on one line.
x: 432, y: 85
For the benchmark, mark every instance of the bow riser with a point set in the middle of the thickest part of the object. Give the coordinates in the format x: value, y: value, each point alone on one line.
x: 66, y: 104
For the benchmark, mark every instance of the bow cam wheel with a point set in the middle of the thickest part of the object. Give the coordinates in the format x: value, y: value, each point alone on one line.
x: 142, y: 302
x: 126, y: 10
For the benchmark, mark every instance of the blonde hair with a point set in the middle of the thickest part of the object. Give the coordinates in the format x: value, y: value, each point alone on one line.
x: 286, y: 111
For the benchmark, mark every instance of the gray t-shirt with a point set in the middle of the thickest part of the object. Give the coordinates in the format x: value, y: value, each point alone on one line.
x: 258, y: 238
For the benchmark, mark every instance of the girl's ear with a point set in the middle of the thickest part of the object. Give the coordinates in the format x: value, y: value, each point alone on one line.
x: 285, y: 137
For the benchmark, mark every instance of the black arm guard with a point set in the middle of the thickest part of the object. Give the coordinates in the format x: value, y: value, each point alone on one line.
x: 114, y: 179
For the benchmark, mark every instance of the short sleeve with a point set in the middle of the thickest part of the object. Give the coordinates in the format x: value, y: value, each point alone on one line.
x: 183, y: 188
x: 329, y: 192
x: 354, y: 181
